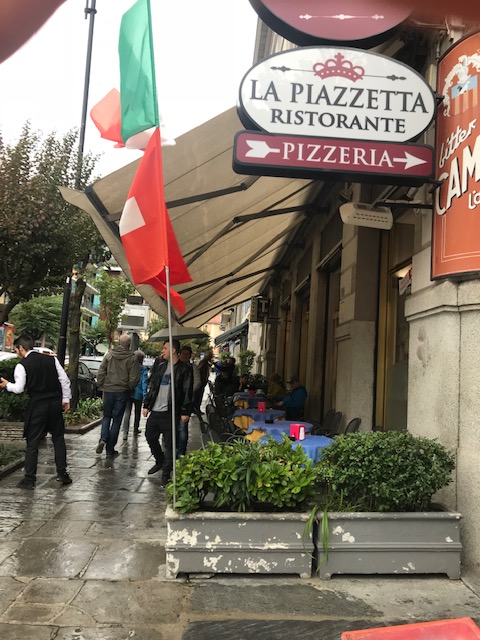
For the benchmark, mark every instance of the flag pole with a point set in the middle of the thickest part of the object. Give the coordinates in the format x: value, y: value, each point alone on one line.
x: 172, y: 385
x: 167, y: 268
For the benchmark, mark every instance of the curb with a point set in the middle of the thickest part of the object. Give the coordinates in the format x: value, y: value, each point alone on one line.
x: 84, y: 428
x: 10, y: 468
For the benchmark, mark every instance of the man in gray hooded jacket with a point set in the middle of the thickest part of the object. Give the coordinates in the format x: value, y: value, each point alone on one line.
x: 118, y: 376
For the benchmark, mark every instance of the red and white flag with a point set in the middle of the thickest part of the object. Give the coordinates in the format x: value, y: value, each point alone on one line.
x: 146, y: 231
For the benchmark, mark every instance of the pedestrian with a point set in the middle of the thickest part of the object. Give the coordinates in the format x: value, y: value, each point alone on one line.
x: 117, y: 377
x: 136, y: 399
x: 49, y: 392
x: 204, y: 368
x: 158, y: 406
x: 185, y: 356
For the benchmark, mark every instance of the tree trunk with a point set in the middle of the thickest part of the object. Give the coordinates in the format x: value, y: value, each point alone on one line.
x: 6, y: 310
x: 74, y: 337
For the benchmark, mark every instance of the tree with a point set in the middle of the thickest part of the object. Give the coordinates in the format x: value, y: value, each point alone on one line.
x: 113, y: 292
x: 39, y: 317
x: 41, y: 236
x: 95, y: 334
x: 156, y: 325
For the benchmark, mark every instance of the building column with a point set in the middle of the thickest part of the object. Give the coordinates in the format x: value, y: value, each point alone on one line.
x: 356, y: 333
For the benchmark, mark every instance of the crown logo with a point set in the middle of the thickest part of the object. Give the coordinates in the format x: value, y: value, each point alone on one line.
x: 338, y: 66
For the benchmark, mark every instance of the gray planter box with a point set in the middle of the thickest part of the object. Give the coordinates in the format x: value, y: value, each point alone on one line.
x: 222, y: 542
x: 390, y: 543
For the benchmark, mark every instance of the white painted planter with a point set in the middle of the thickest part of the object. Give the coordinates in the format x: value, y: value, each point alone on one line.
x: 390, y: 543
x: 223, y: 542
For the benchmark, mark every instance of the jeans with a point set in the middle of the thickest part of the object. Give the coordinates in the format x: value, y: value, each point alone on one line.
x: 114, y: 403
x: 137, y: 404
x: 182, y: 438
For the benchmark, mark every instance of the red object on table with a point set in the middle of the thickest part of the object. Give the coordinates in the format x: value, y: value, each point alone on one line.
x: 296, y: 431
x: 457, y: 629
x: 251, y: 393
x: 261, y: 406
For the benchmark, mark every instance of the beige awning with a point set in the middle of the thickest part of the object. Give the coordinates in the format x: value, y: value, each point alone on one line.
x: 223, y: 221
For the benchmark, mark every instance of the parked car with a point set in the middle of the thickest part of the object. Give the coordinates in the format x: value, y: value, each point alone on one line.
x: 7, y: 355
x: 93, y: 363
x: 46, y: 350
x: 87, y: 382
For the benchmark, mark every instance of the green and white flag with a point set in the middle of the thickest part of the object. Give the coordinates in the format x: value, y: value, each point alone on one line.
x: 138, y: 92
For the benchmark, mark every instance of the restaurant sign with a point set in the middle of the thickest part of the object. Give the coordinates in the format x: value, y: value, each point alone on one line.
x: 362, y: 161
x: 456, y: 216
x: 336, y: 93
x: 307, y: 22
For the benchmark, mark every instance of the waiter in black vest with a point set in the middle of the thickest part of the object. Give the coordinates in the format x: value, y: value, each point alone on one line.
x: 48, y: 388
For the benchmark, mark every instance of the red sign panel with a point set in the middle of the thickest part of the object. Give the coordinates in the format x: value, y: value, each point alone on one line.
x: 307, y: 22
x: 296, y: 156
x: 456, y: 215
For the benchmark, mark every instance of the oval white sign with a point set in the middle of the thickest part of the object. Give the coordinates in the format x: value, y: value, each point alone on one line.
x: 336, y: 92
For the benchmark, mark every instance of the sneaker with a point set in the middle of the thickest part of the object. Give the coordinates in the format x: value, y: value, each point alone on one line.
x: 100, y: 446
x: 64, y: 478
x: 156, y: 467
x: 26, y: 483
x: 114, y: 454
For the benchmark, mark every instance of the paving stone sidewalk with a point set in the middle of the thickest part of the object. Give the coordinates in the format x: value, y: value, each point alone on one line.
x: 87, y: 562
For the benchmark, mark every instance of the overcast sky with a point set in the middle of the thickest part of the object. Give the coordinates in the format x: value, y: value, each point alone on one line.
x: 202, y: 51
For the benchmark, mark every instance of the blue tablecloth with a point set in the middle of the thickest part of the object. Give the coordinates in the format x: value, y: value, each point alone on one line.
x: 254, y: 414
x: 313, y: 445
x: 278, y: 427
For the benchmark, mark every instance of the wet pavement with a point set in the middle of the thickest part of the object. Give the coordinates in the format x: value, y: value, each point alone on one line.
x: 87, y: 562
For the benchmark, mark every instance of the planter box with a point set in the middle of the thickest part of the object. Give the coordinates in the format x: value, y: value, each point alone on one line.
x: 223, y: 542
x: 390, y: 543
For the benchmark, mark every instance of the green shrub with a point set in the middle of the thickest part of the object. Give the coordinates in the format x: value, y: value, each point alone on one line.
x: 244, y: 476
x: 12, y: 406
x: 86, y: 411
x: 375, y: 471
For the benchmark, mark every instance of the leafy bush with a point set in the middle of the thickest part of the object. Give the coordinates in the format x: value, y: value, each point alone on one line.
x: 375, y: 471
x: 12, y: 406
x: 86, y: 411
x: 245, y: 361
x: 244, y: 476
x: 10, y: 453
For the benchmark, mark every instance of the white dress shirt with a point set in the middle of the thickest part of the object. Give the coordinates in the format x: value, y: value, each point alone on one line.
x: 20, y: 376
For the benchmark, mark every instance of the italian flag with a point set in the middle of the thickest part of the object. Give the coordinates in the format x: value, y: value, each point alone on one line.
x: 145, y: 228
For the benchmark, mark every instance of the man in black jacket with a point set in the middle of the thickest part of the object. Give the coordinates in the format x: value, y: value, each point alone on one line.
x: 158, y: 405
x: 48, y: 388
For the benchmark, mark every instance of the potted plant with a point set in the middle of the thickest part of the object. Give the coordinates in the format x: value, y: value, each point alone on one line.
x: 241, y: 508
x: 376, y: 513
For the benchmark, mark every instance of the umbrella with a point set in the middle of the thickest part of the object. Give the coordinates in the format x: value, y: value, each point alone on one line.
x: 181, y: 333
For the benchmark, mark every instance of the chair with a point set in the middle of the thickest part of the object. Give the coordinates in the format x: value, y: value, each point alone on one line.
x: 334, y: 428
x: 327, y: 419
x: 204, y: 426
x: 353, y: 425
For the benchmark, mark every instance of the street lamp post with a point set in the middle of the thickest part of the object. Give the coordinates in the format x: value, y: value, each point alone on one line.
x: 90, y: 11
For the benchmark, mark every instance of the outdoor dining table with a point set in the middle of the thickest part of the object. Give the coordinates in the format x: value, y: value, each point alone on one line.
x: 278, y: 427
x: 244, y: 401
x: 313, y: 445
x: 243, y: 418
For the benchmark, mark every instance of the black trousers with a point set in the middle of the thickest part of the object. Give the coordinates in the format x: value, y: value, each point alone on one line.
x: 42, y: 416
x: 160, y: 423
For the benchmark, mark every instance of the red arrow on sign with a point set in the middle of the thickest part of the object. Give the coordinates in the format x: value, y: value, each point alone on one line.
x: 265, y: 154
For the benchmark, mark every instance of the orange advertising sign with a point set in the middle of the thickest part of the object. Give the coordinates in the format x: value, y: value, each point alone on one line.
x: 456, y: 214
